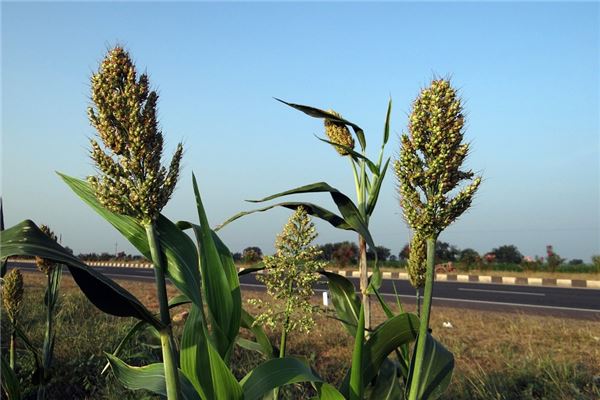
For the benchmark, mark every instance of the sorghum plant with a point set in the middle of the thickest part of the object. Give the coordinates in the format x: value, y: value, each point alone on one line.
x: 289, y: 276
x: 53, y: 272
x: 12, y: 300
x: 131, y: 179
x: 429, y: 171
x: 368, y: 178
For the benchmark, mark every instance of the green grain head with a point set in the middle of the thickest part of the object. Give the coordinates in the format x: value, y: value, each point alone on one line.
x: 44, y: 265
x: 131, y: 180
x: 431, y: 157
x: 338, y: 133
x: 12, y: 294
x: 417, y: 265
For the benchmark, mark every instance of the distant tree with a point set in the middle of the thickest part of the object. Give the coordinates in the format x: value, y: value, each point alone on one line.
x: 576, y: 261
x: 393, y: 257
x: 252, y: 255
x: 553, y: 259
x: 596, y: 260
x: 508, y: 254
x: 404, y: 254
x: 237, y: 257
x: 445, y: 252
x: 345, y: 253
x: 469, y: 257
x: 326, y: 250
x: 69, y: 250
x: 383, y: 253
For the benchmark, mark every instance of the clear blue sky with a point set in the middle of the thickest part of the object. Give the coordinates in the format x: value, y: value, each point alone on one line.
x: 528, y: 73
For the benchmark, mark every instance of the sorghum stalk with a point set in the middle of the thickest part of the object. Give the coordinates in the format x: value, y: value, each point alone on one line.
x: 424, y: 317
x: 169, y: 360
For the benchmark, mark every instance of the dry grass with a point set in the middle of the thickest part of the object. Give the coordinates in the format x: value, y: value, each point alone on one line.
x: 498, y: 355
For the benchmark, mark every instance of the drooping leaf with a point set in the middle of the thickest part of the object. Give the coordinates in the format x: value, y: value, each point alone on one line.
x: 279, y: 372
x: 312, y: 209
x: 438, y: 364
x: 26, y: 239
x: 177, y: 247
x: 9, y: 381
x: 141, y: 325
x: 149, y: 377
x: 317, y: 113
x: 344, y: 299
x: 202, y: 364
x: 347, y: 208
x: 261, y: 337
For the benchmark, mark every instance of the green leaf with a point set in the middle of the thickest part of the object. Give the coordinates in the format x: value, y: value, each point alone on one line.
x: 202, y: 364
x: 250, y: 270
x: 317, y: 113
x: 325, y: 391
x: 374, y: 169
x: 176, y: 301
x: 220, y: 281
x: 261, y: 337
x: 149, y: 377
x: 26, y: 239
x: 387, y: 385
x: 10, y: 382
x: 356, y: 375
x: 275, y: 373
x: 178, y: 248
x: 438, y: 363
x: 386, y: 338
x: 386, y: 128
x: 310, y: 208
x: 375, y: 189
x: 347, y: 208
x: 344, y: 299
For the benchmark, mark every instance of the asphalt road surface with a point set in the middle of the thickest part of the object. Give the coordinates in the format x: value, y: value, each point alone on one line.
x: 540, y: 300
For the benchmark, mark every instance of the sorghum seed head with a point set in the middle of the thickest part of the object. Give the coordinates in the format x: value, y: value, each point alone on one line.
x: 12, y: 293
x: 44, y: 265
x: 338, y: 133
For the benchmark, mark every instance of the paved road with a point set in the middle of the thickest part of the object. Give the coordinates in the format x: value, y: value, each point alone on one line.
x: 543, y: 300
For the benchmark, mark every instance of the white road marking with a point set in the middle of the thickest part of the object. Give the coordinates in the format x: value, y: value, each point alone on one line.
x: 501, y: 291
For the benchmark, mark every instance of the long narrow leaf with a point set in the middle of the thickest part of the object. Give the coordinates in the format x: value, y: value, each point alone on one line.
x: 275, y: 373
x: 375, y: 189
x: 356, y: 375
x: 344, y: 299
x: 347, y: 208
x: 317, y: 113
x: 10, y: 382
x: 178, y: 248
x: 203, y: 365
x: 312, y: 209
x: 438, y: 363
x: 259, y: 334
x: 149, y: 377
x: 26, y: 239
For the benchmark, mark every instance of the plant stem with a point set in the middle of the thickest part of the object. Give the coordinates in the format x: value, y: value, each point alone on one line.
x: 169, y: 362
x: 364, y: 280
x: 13, y: 339
x: 356, y: 384
x: 424, y: 319
x: 418, y: 295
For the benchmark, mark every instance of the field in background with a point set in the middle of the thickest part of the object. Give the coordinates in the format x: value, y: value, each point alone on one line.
x: 498, y: 355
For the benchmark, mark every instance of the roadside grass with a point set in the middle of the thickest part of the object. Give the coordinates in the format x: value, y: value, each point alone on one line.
x: 498, y: 355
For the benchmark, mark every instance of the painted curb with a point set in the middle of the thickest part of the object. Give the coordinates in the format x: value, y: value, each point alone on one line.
x: 463, y: 278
